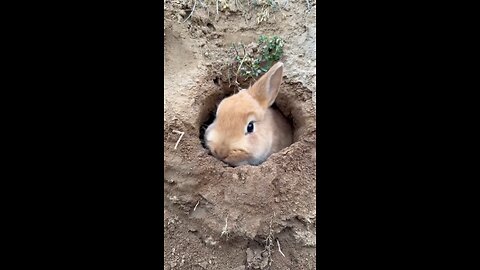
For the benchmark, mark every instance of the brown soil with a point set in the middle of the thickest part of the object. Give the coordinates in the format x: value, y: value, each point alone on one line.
x: 216, y: 216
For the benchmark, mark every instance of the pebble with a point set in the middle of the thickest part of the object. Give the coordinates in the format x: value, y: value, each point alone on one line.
x: 203, y: 265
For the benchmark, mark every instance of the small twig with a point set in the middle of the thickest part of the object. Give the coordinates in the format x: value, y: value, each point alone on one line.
x: 238, y: 3
x: 193, y: 9
x: 241, y: 62
x: 181, y: 135
x: 196, y: 206
x: 269, y: 241
x: 217, y: 7
x: 225, y: 231
x: 278, y: 244
x: 226, y: 224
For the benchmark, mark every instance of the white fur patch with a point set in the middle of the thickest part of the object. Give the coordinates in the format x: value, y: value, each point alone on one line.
x: 211, y: 135
x: 258, y: 160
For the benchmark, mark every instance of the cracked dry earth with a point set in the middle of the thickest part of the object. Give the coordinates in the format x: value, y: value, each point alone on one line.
x: 219, y: 217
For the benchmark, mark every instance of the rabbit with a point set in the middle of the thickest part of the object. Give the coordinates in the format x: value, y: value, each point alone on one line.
x: 246, y: 130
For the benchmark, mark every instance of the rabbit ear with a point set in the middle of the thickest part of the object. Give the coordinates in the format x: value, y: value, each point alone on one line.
x: 265, y: 90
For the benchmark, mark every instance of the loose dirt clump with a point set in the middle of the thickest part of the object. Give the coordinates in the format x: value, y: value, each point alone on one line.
x: 247, y: 217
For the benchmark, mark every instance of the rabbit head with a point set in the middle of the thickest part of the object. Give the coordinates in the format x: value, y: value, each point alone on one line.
x: 246, y: 130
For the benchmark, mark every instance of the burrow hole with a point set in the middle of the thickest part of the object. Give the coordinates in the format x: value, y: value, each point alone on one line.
x: 285, y: 103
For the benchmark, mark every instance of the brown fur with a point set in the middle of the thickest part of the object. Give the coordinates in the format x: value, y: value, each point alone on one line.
x: 226, y: 137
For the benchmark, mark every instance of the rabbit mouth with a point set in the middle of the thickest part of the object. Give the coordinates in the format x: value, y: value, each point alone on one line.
x: 237, y: 157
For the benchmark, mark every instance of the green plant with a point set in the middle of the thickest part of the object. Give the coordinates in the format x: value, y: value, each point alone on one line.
x: 271, y: 48
x: 254, y: 60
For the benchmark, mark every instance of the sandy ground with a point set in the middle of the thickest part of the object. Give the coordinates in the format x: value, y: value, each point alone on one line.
x: 219, y: 217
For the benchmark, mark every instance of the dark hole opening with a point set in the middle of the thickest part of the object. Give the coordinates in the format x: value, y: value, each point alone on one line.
x: 204, y: 126
x: 209, y: 25
x: 285, y: 103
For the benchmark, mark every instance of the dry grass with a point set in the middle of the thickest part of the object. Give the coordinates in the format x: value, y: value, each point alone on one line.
x: 263, y: 8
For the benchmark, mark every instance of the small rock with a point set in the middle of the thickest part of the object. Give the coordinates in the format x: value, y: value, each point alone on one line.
x: 256, y: 260
x: 183, y: 260
x: 203, y: 265
x: 210, y: 241
x: 249, y: 255
x: 305, y: 238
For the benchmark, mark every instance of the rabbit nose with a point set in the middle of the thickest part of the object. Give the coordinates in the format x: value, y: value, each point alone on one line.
x: 222, y: 153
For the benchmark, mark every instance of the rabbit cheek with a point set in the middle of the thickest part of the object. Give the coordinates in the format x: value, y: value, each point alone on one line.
x: 211, y: 149
x: 209, y: 134
x: 260, y: 148
x: 210, y: 137
x: 255, y: 161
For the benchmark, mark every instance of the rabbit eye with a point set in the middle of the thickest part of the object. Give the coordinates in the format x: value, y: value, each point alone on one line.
x: 250, y: 127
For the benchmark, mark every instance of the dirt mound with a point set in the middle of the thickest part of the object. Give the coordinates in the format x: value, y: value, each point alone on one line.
x: 220, y: 217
